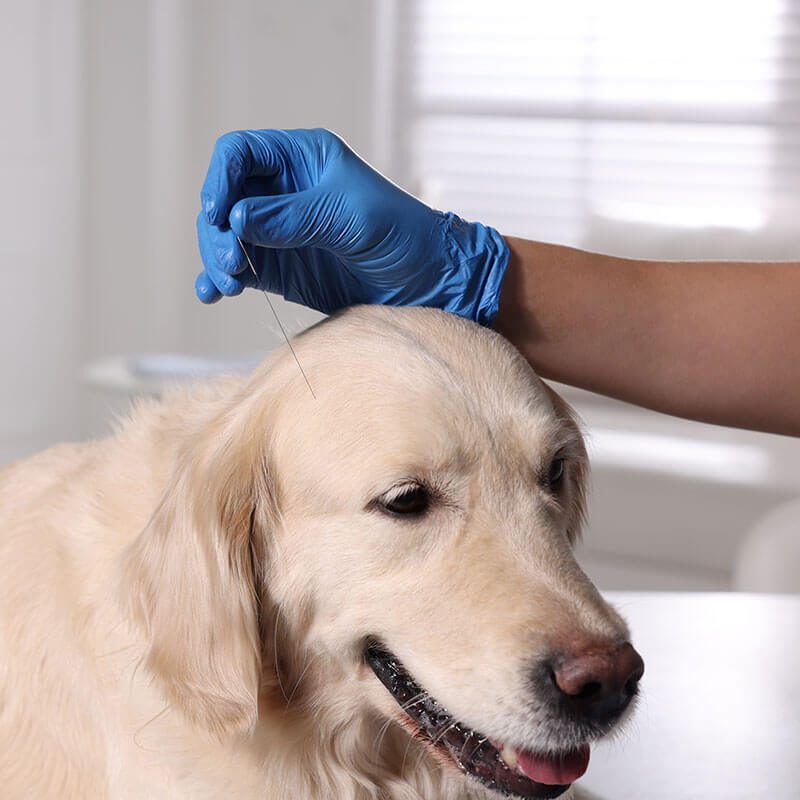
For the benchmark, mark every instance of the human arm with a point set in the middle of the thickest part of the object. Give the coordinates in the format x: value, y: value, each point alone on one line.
x: 711, y: 341
x: 714, y: 341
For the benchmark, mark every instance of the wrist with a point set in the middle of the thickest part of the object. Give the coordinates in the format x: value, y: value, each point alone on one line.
x: 477, y: 259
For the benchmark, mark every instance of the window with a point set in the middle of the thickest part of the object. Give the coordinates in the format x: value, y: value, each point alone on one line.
x: 576, y: 121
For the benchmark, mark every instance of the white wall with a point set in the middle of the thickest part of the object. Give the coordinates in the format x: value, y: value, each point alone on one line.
x: 110, y: 112
x: 42, y: 222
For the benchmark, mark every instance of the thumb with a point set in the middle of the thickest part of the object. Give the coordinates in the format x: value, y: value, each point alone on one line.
x: 285, y: 220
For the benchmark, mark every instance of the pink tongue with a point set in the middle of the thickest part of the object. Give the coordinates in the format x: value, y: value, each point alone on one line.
x: 555, y: 770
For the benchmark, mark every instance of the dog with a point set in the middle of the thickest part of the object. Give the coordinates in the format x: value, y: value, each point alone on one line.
x: 367, y: 593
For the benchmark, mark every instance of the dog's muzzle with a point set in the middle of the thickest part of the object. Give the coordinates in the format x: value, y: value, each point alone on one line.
x: 508, y: 771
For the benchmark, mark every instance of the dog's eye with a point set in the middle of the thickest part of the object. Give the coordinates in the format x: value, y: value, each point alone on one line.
x: 409, y: 501
x: 556, y: 473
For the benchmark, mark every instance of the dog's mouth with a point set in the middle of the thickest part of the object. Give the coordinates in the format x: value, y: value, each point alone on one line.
x: 504, y: 769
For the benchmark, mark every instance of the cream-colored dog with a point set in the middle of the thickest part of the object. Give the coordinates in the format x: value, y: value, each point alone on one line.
x: 249, y: 592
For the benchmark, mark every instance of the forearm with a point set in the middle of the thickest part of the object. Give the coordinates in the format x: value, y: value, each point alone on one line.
x: 713, y: 341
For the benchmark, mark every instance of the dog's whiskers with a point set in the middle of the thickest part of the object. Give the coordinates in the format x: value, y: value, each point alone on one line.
x: 405, y: 755
x: 481, y: 741
x: 420, y: 696
x: 434, y: 741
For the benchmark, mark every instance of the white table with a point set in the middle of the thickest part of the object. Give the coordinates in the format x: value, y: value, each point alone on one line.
x: 719, y: 715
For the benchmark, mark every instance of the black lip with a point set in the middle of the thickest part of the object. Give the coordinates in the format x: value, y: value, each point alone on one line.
x: 471, y: 751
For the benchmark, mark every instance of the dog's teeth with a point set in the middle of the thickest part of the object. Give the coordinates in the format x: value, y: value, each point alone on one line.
x: 509, y: 755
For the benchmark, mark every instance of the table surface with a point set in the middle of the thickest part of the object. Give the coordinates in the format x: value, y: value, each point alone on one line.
x: 719, y: 713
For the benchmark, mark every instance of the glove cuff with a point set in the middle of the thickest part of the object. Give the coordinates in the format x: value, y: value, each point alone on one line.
x: 478, y: 259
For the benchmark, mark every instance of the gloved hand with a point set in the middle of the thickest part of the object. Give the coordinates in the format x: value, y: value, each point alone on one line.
x: 332, y: 232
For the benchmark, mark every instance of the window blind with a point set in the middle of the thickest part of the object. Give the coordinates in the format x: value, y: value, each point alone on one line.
x: 560, y: 121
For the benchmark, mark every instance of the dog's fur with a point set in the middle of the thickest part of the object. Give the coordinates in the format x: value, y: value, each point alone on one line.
x: 184, y: 606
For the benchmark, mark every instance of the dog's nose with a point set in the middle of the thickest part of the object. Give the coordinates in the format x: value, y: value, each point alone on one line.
x: 599, y: 682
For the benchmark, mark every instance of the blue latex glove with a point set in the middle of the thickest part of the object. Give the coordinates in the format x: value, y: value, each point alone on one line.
x: 332, y: 232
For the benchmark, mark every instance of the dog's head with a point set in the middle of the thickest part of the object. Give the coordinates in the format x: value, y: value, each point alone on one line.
x: 397, y: 548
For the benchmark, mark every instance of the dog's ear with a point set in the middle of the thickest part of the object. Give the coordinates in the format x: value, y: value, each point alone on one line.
x: 189, y: 578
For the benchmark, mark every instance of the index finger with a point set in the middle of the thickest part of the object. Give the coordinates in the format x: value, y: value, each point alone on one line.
x: 237, y: 156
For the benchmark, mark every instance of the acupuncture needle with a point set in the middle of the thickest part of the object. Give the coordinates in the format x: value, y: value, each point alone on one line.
x: 277, y: 318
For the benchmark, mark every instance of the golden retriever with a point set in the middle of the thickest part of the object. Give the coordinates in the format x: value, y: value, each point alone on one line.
x: 250, y: 592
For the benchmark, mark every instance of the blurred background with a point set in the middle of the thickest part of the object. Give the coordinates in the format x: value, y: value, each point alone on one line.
x: 664, y: 130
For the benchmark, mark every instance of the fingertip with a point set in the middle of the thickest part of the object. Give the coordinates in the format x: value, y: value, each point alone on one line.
x: 231, y: 287
x: 209, y: 209
x: 205, y: 290
x: 213, y: 212
x: 224, y: 284
x: 230, y: 260
x: 219, y: 249
x: 237, y: 219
